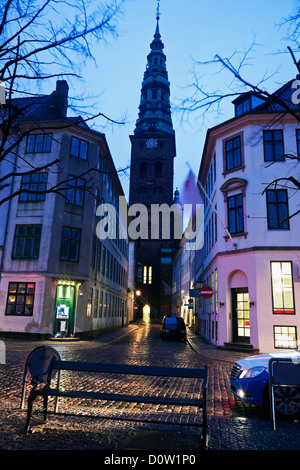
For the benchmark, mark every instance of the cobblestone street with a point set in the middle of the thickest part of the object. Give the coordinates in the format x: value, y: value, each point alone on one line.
x: 231, y: 424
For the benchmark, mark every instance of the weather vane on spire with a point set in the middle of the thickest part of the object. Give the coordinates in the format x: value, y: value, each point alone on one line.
x: 157, y: 11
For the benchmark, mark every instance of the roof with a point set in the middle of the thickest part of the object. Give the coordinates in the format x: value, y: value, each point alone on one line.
x: 278, y: 102
x: 52, y: 107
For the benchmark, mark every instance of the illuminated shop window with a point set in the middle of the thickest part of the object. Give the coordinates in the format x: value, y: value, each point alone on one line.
x: 285, y: 337
x: 282, y: 287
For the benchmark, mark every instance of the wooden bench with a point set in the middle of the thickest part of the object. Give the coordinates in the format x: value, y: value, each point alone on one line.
x: 44, y: 363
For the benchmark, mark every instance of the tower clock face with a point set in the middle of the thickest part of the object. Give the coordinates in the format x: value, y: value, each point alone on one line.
x: 151, y: 143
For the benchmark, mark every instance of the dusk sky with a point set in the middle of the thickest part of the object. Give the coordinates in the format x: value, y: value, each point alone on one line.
x: 191, y: 30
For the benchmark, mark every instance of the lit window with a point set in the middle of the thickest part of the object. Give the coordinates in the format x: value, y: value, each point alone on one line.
x: 20, y: 298
x: 150, y: 275
x: 147, y: 275
x: 282, y: 287
x: 285, y: 337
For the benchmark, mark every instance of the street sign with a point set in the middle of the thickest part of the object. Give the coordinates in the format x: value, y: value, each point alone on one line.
x: 206, y: 292
x: 193, y: 292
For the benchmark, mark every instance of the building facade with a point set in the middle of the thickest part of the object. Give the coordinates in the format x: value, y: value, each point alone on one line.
x: 251, y: 253
x: 58, y: 279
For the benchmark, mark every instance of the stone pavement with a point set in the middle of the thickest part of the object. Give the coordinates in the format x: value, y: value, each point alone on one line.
x: 232, y: 424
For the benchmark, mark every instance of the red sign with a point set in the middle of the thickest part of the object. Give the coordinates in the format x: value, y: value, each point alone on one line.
x: 206, y: 292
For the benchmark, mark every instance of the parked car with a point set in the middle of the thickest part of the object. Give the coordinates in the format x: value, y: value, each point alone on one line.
x: 173, y: 328
x: 249, y: 382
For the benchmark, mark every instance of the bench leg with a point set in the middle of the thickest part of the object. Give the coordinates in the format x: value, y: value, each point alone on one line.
x: 29, y: 413
x: 45, y: 408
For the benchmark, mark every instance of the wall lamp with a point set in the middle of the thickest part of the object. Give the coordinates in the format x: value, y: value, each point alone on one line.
x: 221, y: 303
x: 251, y: 303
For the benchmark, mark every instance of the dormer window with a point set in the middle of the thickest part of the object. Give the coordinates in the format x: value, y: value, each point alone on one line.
x: 242, y: 107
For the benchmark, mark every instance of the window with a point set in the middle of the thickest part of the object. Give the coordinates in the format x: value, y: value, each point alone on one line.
x: 158, y: 169
x: 70, y: 244
x: 96, y: 299
x: 79, y: 148
x: 27, y: 241
x: 143, y: 169
x: 285, y: 337
x: 75, y: 191
x: 101, y: 304
x: 233, y: 154
x: 34, y: 187
x: 94, y: 250
x: 273, y: 146
x: 39, y: 143
x: 235, y: 214
x: 108, y: 263
x: 277, y: 209
x: 147, y: 275
x: 103, y: 259
x: 282, y: 287
x: 242, y: 107
x: 20, y: 298
x: 99, y: 249
x: 89, y: 304
x: 298, y: 142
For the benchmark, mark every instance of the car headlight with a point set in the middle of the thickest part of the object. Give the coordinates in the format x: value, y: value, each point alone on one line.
x: 251, y: 373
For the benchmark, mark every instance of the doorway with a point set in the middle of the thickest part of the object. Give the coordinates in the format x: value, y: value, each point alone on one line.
x: 64, y: 311
x: 240, y: 315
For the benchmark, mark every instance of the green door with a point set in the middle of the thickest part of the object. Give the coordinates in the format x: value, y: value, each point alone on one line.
x: 64, y: 311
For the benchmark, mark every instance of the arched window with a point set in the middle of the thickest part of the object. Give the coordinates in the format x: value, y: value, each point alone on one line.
x: 143, y: 169
x: 158, y: 169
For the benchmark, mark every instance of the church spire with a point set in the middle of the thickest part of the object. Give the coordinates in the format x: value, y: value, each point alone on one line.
x: 157, y: 20
x: 155, y: 109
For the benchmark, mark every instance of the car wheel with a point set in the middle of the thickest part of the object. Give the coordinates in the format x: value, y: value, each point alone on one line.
x: 287, y: 402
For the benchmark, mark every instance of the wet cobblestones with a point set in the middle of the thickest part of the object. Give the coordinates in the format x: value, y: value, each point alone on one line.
x: 232, y: 424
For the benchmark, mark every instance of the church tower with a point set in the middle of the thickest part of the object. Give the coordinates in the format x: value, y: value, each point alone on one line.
x: 151, y: 178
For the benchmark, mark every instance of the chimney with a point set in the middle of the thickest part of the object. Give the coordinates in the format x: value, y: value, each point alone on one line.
x: 61, y: 93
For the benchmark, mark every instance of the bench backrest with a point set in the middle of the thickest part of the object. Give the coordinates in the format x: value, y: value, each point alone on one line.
x: 130, y: 369
x: 285, y: 371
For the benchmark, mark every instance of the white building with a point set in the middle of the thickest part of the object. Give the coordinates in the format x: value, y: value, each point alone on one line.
x: 254, y: 272
x: 56, y: 277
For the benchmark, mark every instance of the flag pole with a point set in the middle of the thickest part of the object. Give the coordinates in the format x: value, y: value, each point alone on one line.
x: 214, y: 209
